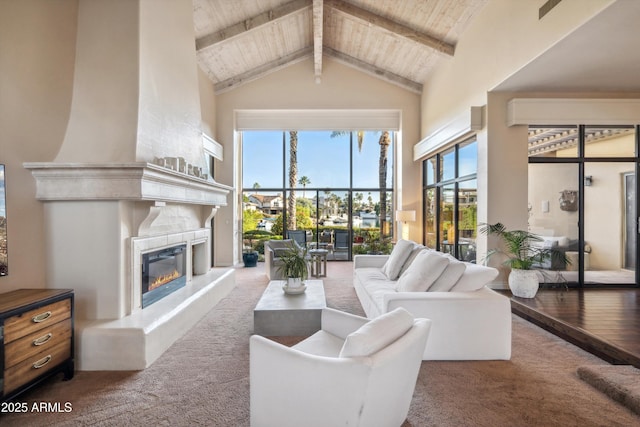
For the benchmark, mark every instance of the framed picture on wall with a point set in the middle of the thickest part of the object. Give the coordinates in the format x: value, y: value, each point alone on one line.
x: 4, y: 259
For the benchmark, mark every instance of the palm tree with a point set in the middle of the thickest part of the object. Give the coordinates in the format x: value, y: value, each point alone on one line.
x: 384, y: 142
x: 256, y: 185
x: 304, y: 181
x: 293, y: 179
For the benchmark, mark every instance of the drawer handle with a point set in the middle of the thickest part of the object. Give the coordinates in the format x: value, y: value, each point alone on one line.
x: 43, y: 339
x: 41, y: 317
x: 42, y: 362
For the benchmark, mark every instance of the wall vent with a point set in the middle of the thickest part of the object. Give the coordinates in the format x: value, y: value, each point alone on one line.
x: 546, y: 8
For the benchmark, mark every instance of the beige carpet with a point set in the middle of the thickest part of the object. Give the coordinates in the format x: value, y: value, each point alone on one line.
x: 202, y: 380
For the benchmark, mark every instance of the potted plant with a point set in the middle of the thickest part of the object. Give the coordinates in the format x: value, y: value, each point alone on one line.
x: 524, y: 257
x: 294, y: 266
x: 249, y: 254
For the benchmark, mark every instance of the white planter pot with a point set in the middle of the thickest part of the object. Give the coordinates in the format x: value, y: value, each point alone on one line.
x: 294, y: 282
x: 523, y: 283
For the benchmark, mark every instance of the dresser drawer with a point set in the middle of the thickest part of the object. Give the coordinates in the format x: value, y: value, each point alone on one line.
x: 33, y: 320
x: 35, y: 366
x: 42, y: 340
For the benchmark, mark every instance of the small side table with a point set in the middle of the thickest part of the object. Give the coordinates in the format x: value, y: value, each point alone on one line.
x: 318, y: 261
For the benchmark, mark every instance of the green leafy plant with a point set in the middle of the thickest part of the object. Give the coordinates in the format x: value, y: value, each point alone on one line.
x: 520, y: 248
x: 294, y: 262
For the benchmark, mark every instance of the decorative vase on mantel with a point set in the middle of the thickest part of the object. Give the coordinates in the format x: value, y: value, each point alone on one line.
x: 523, y: 283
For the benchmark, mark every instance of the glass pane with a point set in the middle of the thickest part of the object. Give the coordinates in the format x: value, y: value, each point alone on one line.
x: 430, y: 171
x: 261, y: 218
x: 468, y: 158
x: 322, y: 159
x: 553, y: 142
x: 447, y: 165
x: 373, y: 157
x: 553, y: 215
x: 467, y: 219
x: 610, y: 223
x: 262, y: 163
x: 333, y: 232
x: 447, y: 226
x: 430, y: 218
x: 609, y: 141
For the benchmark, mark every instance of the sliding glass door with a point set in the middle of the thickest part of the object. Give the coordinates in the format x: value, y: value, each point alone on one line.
x: 583, y: 201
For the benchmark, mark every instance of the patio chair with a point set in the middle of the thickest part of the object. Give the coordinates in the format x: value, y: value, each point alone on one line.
x: 341, y: 241
x: 299, y: 236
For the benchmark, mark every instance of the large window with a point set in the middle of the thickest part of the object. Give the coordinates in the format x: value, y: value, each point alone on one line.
x: 450, y: 200
x: 583, y: 200
x: 325, y: 189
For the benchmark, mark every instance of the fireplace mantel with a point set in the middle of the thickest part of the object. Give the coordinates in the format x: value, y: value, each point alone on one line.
x: 136, y: 181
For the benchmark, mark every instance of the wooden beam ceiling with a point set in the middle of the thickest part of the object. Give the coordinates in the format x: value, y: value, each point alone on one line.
x: 263, y: 70
x: 373, y: 70
x: 392, y: 26
x: 252, y: 23
x: 318, y: 18
x: 318, y: 47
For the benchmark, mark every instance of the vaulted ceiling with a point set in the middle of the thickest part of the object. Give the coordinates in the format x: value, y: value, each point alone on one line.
x: 398, y: 41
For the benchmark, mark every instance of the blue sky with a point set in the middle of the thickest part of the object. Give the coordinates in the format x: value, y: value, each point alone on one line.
x: 324, y: 160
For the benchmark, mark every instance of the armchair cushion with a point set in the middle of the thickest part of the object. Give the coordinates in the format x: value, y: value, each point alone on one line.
x: 399, y: 255
x: 423, y: 272
x: 377, y: 334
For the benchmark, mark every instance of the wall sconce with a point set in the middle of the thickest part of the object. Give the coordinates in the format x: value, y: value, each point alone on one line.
x: 588, y: 180
x: 404, y: 217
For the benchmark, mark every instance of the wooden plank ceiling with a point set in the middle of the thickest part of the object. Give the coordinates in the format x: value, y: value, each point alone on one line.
x: 399, y: 41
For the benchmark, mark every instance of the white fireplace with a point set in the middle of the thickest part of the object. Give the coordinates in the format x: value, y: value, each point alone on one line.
x: 131, y: 176
x: 100, y: 221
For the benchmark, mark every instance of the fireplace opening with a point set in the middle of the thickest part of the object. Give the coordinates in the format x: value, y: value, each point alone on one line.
x: 163, y: 272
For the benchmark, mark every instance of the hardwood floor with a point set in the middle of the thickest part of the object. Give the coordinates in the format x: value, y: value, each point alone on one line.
x: 605, y: 322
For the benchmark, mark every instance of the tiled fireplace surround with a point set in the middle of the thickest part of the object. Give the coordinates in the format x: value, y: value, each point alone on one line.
x: 99, y: 220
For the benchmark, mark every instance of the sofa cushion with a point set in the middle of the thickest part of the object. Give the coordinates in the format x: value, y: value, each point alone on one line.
x: 399, y: 255
x: 417, y: 248
x: 377, y: 334
x: 368, y: 275
x: 422, y: 272
x: 475, y: 277
x: 449, y: 276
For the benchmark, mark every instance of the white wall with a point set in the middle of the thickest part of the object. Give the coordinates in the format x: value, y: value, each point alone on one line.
x: 500, y: 40
x: 37, y: 54
x: 294, y: 87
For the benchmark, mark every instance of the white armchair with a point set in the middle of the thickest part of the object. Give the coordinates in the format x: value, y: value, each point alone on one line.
x: 354, y: 372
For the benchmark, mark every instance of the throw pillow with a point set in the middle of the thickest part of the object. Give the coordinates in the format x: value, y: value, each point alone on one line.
x: 399, y: 255
x: 378, y: 333
x: 449, y: 276
x: 423, y: 272
x: 475, y: 277
x: 414, y: 252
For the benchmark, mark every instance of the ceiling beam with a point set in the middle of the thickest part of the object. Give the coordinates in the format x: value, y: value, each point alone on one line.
x: 263, y: 70
x: 373, y: 70
x: 392, y: 26
x: 252, y: 23
x: 317, y: 38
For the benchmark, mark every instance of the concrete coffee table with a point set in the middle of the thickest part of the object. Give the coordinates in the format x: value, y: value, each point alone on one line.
x: 280, y: 314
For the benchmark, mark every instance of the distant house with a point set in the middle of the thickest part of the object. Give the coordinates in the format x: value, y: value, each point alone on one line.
x: 269, y: 205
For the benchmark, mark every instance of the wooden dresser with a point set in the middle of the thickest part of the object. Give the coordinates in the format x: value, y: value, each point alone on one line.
x: 36, y: 338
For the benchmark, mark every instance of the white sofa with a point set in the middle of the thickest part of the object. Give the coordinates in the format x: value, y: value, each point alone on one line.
x: 470, y: 321
x: 353, y: 372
